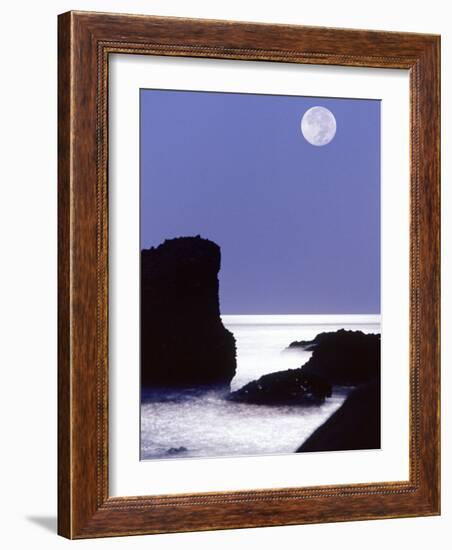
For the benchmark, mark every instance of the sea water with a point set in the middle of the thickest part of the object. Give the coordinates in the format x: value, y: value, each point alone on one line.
x: 206, y: 425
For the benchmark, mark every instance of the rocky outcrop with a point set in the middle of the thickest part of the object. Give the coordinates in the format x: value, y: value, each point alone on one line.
x: 355, y: 425
x: 344, y: 358
x: 290, y: 387
x: 183, y: 341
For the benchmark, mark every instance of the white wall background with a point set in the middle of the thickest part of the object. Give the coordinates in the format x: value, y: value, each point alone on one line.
x: 28, y: 269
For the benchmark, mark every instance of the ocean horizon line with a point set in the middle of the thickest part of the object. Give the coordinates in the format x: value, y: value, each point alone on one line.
x: 311, y: 319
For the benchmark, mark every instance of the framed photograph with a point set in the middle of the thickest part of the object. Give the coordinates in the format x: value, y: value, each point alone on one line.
x: 248, y: 275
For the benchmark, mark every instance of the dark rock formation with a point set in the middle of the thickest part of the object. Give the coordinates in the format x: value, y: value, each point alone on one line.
x: 176, y: 451
x: 344, y: 358
x: 183, y: 341
x: 356, y: 425
x: 290, y: 387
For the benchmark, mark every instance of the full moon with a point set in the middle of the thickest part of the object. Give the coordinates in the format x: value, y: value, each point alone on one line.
x: 318, y: 126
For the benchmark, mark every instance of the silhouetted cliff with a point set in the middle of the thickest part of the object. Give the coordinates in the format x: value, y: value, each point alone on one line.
x: 355, y: 425
x: 183, y: 341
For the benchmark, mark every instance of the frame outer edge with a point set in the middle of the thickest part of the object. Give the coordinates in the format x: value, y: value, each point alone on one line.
x: 64, y: 278
x: 426, y: 286
x: 431, y: 248
x: 82, y: 511
x: 438, y: 145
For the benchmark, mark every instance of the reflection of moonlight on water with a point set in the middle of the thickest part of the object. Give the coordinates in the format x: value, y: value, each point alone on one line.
x: 318, y: 126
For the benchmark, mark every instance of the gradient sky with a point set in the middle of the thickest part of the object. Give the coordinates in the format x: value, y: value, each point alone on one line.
x: 298, y: 225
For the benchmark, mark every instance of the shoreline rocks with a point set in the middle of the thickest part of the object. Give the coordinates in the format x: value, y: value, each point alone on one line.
x: 341, y: 358
x: 344, y: 357
x: 290, y: 387
x: 355, y: 425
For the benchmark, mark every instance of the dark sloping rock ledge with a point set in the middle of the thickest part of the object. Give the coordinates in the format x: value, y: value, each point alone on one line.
x: 355, y: 425
x: 183, y: 340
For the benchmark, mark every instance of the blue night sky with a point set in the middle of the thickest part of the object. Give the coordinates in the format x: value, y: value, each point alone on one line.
x: 298, y: 225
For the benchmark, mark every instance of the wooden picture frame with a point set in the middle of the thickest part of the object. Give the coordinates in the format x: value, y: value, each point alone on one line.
x: 85, y: 42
